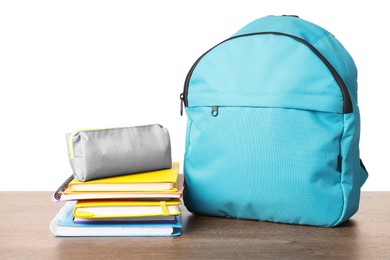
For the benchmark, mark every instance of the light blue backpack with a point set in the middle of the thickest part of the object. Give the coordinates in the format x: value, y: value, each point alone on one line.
x: 273, y: 126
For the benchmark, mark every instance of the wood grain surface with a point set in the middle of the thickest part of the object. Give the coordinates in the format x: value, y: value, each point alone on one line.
x: 25, y: 234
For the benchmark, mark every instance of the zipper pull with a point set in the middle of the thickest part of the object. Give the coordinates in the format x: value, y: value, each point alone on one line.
x: 214, y: 111
x: 181, y: 103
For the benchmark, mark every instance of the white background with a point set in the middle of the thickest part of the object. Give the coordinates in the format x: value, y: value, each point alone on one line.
x: 65, y: 65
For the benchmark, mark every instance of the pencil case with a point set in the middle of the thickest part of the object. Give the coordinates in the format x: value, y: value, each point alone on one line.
x: 101, y: 153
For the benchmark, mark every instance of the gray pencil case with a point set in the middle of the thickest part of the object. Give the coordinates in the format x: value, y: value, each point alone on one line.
x: 101, y: 153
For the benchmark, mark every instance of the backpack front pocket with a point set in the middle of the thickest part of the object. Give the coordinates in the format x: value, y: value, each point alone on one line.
x: 265, y: 163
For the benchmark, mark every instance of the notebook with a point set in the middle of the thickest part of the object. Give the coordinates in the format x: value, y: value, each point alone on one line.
x: 148, y: 181
x: 63, y: 225
x: 125, y: 208
x: 65, y: 194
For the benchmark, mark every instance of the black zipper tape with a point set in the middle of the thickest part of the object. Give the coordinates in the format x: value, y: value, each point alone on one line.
x: 347, y: 108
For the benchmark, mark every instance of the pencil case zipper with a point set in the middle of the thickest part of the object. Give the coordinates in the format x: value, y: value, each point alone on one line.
x: 72, y: 134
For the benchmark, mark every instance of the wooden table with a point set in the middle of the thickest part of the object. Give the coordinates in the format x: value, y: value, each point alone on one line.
x: 25, y: 218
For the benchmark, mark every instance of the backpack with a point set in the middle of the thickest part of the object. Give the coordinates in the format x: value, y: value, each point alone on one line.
x: 273, y: 126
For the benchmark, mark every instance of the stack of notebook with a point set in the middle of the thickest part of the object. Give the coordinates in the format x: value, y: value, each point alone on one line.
x: 142, y: 204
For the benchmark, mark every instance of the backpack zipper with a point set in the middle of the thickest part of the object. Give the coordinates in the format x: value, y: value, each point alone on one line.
x: 347, y: 107
x: 214, y: 111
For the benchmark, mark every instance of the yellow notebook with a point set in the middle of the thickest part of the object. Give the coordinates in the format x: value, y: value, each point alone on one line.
x: 67, y: 194
x: 148, y: 181
x: 121, y: 209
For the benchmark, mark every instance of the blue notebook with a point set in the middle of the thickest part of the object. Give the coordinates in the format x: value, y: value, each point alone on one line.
x: 63, y: 225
